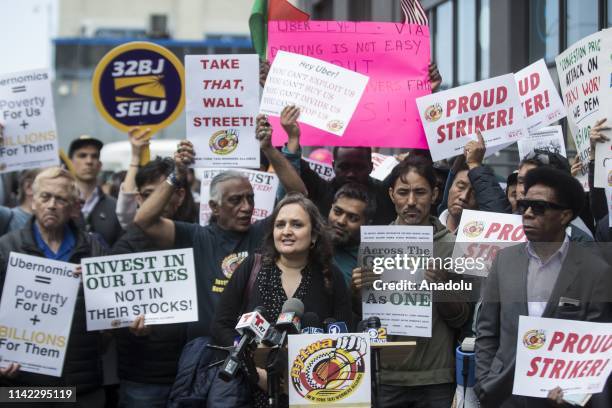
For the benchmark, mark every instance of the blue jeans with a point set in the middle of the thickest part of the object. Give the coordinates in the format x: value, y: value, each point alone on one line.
x: 140, y: 395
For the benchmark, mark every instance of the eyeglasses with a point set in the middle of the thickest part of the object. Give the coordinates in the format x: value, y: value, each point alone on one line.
x: 59, y: 201
x: 538, y: 207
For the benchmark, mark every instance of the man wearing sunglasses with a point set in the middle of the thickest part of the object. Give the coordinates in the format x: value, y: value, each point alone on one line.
x: 546, y: 277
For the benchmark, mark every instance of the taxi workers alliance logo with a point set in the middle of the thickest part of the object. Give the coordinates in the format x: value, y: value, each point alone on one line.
x: 328, y: 370
x: 223, y: 142
x: 335, y: 125
x: 231, y: 262
x: 473, y: 229
x: 433, y: 113
x: 534, y: 339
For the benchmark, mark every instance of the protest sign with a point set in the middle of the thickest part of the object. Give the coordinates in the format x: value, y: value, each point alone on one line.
x: 36, y: 312
x: 160, y: 285
x: 264, y: 186
x: 382, y: 165
x: 139, y: 84
x: 491, y: 106
x: 539, y: 98
x: 326, y: 94
x: 481, y: 234
x: 394, y: 56
x: 603, y: 151
x: 222, y: 102
x: 580, y: 82
x: 329, y: 369
x: 609, y: 191
x: 548, y: 138
x: 323, y: 170
x: 404, y: 308
x: 26, y: 110
x: 570, y: 354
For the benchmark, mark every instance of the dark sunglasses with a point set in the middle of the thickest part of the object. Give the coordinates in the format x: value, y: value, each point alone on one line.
x: 538, y: 207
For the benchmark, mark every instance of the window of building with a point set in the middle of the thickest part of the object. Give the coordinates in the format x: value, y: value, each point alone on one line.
x: 443, y: 42
x: 582, y: 19
x: 466, y: 50
x: 484, y: 39
x: 544, y: 30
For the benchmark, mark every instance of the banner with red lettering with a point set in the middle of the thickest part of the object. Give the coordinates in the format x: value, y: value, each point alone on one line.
x: 580, y: 82
x: 492, y: 106
x: 573, y: 355
x: 222, y: 102
x: 539, y: 97
x: 394, y: 56
x: 481, y: 234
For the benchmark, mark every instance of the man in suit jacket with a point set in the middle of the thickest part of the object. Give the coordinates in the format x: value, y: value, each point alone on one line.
x: 532, y: 278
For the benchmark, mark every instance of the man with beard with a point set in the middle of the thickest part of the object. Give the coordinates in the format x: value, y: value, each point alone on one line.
x: 351, y: 165
x: 352, y: 208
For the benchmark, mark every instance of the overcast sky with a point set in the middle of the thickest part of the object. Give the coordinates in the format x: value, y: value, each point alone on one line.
x: 26, y: 30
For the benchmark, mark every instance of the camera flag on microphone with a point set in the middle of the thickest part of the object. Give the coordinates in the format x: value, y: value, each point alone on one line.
x: 255, y: 322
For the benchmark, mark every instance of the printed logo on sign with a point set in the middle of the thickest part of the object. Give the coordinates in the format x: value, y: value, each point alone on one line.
x: 335, y: 125
x: 328, y: 371
x: 473, y: 229
x: 231, y: 262
x: 433, y: 113
x: 139, y: 84
x: 223, y: 142
x: 534, y: 339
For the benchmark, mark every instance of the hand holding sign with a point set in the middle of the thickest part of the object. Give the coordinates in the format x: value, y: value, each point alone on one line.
x: 139, y: 141
x: 183, y: 157
x: 263, y: 132
x: 288, y: 118
x: 10, y: 372
x: 138, y: 328
x: 474, y: 151
x: 596, y: 135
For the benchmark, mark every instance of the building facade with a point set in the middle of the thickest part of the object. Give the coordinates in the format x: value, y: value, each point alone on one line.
x: 478, y: 39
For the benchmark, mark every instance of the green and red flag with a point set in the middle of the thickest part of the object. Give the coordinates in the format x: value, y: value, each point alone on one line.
x: 266, y: 10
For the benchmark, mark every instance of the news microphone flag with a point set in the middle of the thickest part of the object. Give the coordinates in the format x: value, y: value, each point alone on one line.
x: 254, y: 322
x: 337, y: 327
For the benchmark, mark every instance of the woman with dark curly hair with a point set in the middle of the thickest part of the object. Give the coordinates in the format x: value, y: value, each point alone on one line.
x: 296, y: 262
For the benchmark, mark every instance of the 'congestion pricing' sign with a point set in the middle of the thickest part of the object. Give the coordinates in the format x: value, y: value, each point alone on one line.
x: 139, y: 84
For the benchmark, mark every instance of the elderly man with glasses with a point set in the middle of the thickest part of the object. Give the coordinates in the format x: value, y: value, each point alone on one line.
x: 52, y: 234
x: 533, y: 278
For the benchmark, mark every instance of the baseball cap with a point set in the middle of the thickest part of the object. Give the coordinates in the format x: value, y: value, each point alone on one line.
x: 84, y: 140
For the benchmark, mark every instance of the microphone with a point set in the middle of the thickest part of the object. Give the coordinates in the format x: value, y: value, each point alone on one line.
x: 373, y: 327
x: 311, y: 324
x: 253, y: 323
x: 335, y: 327
x: 288, y: 322
x: 251, y: 326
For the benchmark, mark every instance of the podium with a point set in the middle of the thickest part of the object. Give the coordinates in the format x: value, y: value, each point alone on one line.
x: 391, y: 350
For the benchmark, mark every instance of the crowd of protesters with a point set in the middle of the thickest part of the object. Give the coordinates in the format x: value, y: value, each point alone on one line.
x: 308, y: 249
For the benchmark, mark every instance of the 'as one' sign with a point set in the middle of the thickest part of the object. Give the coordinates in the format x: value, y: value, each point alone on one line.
x: 139, y: 84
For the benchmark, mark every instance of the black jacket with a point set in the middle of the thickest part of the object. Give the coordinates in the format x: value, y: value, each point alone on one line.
x: 151, y: 359
x: 82, y: 364
x: 103, y: 220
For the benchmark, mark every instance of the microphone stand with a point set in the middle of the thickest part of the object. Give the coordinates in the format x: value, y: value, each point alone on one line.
x: 274, y: 373
x: 375, y: 354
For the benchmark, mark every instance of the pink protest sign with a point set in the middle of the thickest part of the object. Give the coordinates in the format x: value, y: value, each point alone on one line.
x: 395, y: 56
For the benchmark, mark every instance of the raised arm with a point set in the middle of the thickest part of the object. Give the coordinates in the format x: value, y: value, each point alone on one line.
x: 126, y: 201
x: 148, y: 218
x: 286, y: 173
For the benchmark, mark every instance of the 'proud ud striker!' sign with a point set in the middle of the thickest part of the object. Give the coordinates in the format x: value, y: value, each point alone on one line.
x: 139, y: 84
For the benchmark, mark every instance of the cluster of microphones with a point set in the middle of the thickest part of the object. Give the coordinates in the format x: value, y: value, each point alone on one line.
x: 254, y: 329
